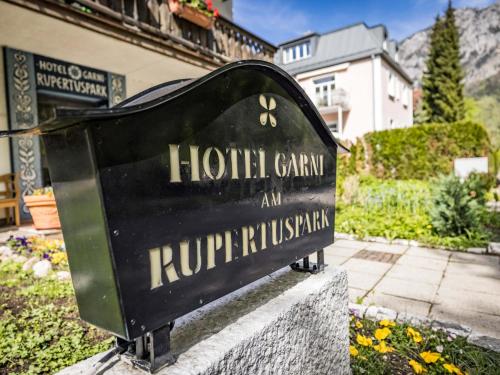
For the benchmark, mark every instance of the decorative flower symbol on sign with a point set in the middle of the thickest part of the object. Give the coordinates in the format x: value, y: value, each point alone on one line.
x: 268, y: 106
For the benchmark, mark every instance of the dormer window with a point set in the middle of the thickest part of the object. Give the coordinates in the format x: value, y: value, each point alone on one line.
x: 296, y: 52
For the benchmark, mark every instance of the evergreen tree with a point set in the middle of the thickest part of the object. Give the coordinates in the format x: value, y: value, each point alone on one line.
x: 443, y: 99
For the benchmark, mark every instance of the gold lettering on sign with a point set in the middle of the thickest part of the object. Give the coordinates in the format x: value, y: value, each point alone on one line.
x: 245, y: 163
x: 217, y: 248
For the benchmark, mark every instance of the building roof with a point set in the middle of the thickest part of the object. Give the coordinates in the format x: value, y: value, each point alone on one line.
x: 349, y: 43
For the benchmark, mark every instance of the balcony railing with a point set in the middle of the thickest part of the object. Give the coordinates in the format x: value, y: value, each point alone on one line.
x: 336, y: 98
x: 224, y: 42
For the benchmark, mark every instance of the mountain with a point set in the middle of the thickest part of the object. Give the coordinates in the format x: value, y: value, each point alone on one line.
x: 479, y: 43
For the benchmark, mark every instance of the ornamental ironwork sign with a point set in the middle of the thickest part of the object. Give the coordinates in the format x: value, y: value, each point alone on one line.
x: 27, y: 76
x: 187, y: 192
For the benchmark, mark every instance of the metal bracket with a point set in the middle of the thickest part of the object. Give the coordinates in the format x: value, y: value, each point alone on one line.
x: 306, y: 266
x: 150, y: 352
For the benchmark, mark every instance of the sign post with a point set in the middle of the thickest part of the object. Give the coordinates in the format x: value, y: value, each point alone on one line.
x: 187, y: 192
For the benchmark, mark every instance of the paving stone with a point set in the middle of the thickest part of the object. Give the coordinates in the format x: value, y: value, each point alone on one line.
x: 451, y: 298
x: 399, y: 304
x: 365, y: 281
x: 357, y: 309
x: 483, y: 324
x: 477, y: 250
x: 486, y: 342
x: 368, y: 266
x: 387, y: 248
x: 340, y: 251
x: 423, y: 262
x: 385, y: 313
x: 414, y: 320
x: 428, y: 253
x: 475, y: 259
x: 484, y: 285
x: 477, y: 270
x: 371, y: 312
x: 452, y: 327
x: 351, y: 244
x: 407, y: 289
x: 412, y: 273
x: 333, y: 260
x: 494, y: 248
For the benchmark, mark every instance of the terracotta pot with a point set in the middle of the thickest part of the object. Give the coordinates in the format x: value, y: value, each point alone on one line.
x: 43, y: 210
x: 191, y: 14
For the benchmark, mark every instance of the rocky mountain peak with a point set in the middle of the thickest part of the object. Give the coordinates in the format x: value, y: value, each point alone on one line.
x: 479, y: 43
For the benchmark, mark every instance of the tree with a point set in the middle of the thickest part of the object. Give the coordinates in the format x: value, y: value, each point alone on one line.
x: 443, y: 98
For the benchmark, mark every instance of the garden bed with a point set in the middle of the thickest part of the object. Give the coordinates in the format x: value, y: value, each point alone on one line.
x: 40, y: 329
x: 403, y: 209
x: 388, y: 347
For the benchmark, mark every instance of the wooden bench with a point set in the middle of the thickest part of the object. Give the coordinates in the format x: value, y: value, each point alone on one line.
x: 10, y: 196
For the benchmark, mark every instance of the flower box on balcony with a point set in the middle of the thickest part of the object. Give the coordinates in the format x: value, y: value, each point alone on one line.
x: 191, y: 14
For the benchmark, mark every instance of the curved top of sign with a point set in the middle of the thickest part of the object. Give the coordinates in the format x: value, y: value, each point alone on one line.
x: 162, y: 94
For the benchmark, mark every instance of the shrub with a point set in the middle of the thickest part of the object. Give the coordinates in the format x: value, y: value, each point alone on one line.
x: 419, y: 152
x: 478, y: 185
x: 455, y: 210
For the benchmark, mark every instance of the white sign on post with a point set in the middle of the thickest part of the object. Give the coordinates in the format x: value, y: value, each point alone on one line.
x: 465, y: 166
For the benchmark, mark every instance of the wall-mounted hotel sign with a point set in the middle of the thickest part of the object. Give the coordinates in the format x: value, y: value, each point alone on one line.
x: 189, y: 191
x: 30, y: 75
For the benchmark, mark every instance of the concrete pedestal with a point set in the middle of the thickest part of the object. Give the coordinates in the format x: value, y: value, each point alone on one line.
x: 286, y: 323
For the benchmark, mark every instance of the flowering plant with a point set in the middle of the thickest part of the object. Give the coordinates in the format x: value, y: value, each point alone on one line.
x: 204, y: 6
x: 388, y: 347
x: 44, y: 191
x: 51, y: 249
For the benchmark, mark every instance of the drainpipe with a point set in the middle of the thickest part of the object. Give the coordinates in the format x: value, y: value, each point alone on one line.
x: 377, y: 92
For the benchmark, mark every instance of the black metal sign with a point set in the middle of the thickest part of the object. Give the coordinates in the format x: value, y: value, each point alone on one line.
x: 189, y: 191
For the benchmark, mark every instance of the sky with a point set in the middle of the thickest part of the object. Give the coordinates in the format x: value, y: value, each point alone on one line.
x: 279, y: 20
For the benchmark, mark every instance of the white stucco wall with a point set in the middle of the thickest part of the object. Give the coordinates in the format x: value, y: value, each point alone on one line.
x: 355, y: 78
x: 392, y: 107
x: 30, y: 31
x: 370, y: 106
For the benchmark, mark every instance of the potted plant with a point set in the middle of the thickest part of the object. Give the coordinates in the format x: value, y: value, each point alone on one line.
x: 43, y: 209
x: 198, y: 12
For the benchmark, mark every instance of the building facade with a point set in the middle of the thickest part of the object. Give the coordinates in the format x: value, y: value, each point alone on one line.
x: 95, y: 53
x: 353, y: 76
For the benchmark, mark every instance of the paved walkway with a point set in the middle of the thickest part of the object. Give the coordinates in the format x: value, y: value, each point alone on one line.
x: 443, y: 285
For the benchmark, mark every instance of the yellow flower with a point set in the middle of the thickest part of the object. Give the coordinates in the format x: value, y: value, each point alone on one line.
x: 358, y: 324
x: 430, y: 357
x: 353, y: 351
x: 387, y: 323
x: 415, y: 335
x: 382, y: 333
x: 59, y: 257
x: 417, y: 367
x: 452, y: 369
x: 363, y: 340
x: 383, y: 348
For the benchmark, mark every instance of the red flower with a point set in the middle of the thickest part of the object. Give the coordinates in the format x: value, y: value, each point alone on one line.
x: 216, y: 12
x: 209, y: 4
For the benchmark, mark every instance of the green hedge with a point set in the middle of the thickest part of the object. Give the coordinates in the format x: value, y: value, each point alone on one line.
x: 418, y: 152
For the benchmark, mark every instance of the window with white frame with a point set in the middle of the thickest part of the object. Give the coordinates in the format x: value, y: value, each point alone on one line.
x: 296, y: 52
x: 323, y: 91
x: 391, y: 89
x: 406, y: 96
